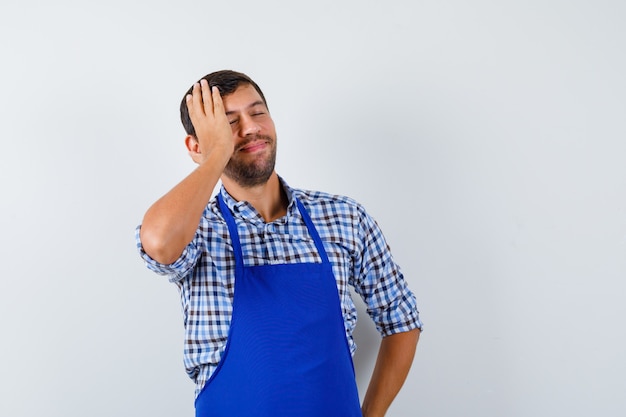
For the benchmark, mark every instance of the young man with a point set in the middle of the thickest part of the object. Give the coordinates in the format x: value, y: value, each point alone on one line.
x: 263, y: 271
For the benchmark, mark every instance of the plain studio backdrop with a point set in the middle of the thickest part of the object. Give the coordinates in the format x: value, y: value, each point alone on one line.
x: 487, y: 138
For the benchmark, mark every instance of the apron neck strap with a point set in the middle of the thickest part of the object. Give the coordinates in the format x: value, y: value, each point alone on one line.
x: 234, y: 234
x: 312, y: 231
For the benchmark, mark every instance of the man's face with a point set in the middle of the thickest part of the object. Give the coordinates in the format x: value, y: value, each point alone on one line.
x: 254, y: 137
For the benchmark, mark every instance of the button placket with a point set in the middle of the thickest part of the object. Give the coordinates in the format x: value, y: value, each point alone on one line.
x: 269, y: 231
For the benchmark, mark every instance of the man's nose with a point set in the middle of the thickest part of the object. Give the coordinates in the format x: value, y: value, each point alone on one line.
x: 249, y: 127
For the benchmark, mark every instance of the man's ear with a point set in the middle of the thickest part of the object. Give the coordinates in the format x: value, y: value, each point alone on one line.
x: 193, y: 148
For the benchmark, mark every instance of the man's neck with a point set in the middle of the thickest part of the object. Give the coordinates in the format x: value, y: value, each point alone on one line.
x: 269, y: 198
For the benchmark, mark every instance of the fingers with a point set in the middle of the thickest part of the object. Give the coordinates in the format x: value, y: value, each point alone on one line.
x: 218, y: 104
x: 204, y: 100
x: 210, y: 123
x: 193, y: 100
x: 198, y: 103
x: 207, y: 100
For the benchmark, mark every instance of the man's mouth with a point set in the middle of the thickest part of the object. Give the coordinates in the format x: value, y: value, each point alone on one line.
x: 253, y: 145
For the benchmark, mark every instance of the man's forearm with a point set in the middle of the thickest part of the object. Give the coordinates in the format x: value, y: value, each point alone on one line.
x: 171, y: 222
x: 395, y: 357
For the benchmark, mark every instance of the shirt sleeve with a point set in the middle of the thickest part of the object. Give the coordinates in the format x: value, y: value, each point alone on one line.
x: 380, y: 282
x: 181, y: 267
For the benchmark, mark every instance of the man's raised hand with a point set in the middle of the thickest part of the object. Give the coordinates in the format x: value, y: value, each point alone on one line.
x: 208, y: 116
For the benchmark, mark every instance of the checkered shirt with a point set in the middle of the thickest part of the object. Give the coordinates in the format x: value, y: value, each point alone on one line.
x: 355, y: 245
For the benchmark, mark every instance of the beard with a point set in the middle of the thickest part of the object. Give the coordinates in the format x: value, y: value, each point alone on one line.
x: 255, y: 172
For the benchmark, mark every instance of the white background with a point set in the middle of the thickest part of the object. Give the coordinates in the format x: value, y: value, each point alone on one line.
x: 486, y: 137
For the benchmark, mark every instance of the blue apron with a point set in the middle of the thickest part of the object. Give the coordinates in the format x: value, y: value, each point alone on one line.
x: 287, y: 353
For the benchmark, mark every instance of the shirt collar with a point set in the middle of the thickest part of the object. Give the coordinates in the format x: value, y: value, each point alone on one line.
x: 243, y: 209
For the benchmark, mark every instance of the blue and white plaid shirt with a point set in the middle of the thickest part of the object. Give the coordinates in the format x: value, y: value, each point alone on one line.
x: 356, y: 248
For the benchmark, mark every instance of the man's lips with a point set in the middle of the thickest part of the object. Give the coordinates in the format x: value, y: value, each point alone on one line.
x: 253, y: 146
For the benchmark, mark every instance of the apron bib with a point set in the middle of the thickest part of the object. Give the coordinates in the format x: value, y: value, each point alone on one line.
x: 287, y: 353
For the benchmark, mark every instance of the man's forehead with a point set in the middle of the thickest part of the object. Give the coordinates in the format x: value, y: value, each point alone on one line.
x: 244, y: 97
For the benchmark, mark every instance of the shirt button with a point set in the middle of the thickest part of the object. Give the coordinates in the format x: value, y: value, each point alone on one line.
x: 270, y: 228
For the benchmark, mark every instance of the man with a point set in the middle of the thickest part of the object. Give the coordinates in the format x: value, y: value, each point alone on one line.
x: 263, y: 271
